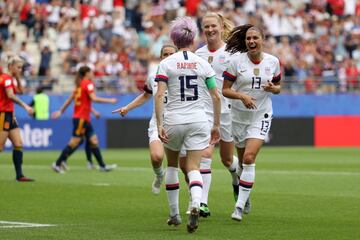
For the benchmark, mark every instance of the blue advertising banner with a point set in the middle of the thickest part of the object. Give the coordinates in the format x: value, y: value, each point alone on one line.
x: 53, y: 134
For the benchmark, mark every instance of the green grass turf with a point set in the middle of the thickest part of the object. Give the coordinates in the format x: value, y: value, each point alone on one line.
x: 300, y: 193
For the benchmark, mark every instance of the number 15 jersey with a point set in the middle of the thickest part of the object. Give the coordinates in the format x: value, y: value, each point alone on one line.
x: 185, y: 74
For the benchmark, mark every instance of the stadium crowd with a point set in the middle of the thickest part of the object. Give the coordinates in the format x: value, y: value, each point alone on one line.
x: 317, y: 41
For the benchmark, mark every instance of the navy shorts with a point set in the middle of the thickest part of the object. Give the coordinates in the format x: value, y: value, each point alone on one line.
x: 7, y: 121
x: 82, y: 128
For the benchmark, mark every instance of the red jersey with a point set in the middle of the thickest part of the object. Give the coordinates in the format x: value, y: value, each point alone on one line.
x: 82, y: 101
x: 6, y: 81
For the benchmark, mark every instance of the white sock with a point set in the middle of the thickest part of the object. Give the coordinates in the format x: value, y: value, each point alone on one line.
x: 195, y: 185
x: 205, y: 170
x: 246, y: 182
x: 172, y: 189
x: 233, y: 171
x: 159, y: 171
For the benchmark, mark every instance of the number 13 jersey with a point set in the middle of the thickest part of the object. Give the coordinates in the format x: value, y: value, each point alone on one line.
x: 185, y: 74
x: 249, y: 78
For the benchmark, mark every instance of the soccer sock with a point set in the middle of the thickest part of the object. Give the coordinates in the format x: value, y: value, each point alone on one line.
x: 159, y: 171
x: 232, y: 169
x: 205, y: 170
x: 172, y: 189
x: 195, y: 185
x: 246, y: 182
x: 96, y: 151
x: 65, y: 154
x: 88, y: 151
x: 17, y: 160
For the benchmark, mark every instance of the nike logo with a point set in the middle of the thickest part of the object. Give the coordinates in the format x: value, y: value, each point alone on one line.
x: 243, y: 71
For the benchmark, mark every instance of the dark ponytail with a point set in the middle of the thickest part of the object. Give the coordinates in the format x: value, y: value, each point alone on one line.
x: 236, y: 41
x: 81, y: 74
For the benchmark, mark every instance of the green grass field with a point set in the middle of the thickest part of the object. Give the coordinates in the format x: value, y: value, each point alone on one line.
x: 300, y: 193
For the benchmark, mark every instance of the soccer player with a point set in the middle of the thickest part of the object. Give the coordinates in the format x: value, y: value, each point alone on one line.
x: 155, y: 145
x: 186, y: 77
x: 250, y: 79
x: 10, y: 84
x: 82, y: 96
x: 216, y: 30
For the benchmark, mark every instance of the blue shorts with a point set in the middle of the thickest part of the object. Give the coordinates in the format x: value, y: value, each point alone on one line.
x: 7, y: 121
x: 82, y: 128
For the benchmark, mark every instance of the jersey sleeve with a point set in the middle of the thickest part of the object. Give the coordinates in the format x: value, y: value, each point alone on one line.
x: 277, y: 74
x: 161, y: 74
x: 90, y: 88
x: 147, y: 87
x: 230, y: 72
x: 8, y: 82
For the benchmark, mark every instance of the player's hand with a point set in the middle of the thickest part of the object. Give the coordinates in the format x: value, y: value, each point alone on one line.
x: 248, y: 101
x: 56, y: 114
x: 215, y: 135
x: 97, y: 115
x: 122, y: 111
x: 162, y: 135
x: 29, y: 110
x: 112, y: 100
x: 270, y: 87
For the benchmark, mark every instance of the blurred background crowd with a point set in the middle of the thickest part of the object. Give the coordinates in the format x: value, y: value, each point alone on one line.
x: 317, y: 41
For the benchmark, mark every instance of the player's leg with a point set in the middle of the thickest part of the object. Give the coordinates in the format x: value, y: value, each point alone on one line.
x: 90, y: 163
x: 247, y: 178
x: 205, y: 170
x: 157, y: 156
x: 172, y: 186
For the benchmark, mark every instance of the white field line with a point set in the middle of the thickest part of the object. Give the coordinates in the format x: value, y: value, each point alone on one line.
x: 148, y: 169
x: 9, y: 224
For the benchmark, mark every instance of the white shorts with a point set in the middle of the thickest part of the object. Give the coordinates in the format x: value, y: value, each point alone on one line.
x: 243, y: 131
x: 192, y: 136
x: 153, y: 132
x: 225, y: 127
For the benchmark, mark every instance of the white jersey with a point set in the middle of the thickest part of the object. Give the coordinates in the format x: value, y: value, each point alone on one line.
x: 185, y: 75
x: 219, y: 60
x: 249, y: 78
x: 151, y: 87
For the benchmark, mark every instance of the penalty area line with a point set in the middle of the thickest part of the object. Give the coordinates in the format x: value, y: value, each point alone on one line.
x: 9, y: 224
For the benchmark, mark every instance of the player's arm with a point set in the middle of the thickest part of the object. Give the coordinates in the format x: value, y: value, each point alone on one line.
x: 138, y: 101
x: 96, y: 113
x: 159, y: 108
x: 101, y: 99
x: 66, y: 104
x: 11, y: 95
x: 216, y: 100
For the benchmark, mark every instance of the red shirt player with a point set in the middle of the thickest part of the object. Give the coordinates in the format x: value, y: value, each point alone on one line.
x: 9, y: 85
x: 82, y: 96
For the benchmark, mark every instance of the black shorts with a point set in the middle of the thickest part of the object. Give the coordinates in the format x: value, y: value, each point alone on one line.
x: 82, y: 128
x: 7, y: 121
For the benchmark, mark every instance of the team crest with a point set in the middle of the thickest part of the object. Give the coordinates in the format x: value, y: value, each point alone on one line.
x: 210, y: 59
x: 267, y: 71
x: 256, y: 71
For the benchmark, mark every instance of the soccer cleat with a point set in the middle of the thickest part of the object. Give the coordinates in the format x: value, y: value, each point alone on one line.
x: 193, y: 222
x: 24, y: 179
x: 157, y: 184
x: 91, y: 166
x: 108, y: 168
x: 236, y: 192
x: 174, y: 220
x: 237, y: 214
x: 64, y: 166
x: 204, y: 210
x: 247, y: 206
x: 57, y: 168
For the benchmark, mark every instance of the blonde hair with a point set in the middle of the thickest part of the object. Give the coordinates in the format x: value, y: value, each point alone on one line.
x: 224, y: 22
x: 13, y: 58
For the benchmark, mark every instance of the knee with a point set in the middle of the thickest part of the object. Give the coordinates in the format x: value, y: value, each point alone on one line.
x: 227, y: 160
x: 249, y: 158
x: 156, y: 158
x: 207, y: 153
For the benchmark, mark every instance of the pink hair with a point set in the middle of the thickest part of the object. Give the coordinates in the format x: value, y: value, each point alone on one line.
x: 183, y: 31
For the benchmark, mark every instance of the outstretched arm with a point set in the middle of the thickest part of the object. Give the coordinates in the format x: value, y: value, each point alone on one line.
x: 138, y: 101
x: 66, y: 104
x: 101, y: 99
